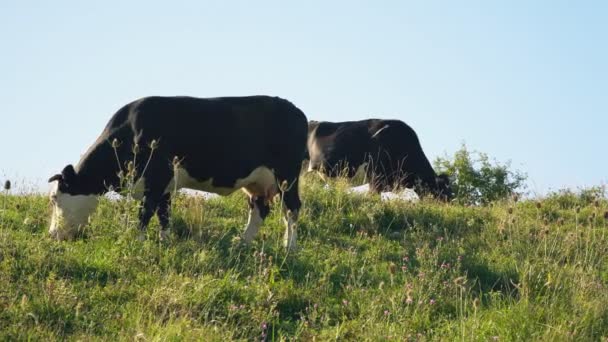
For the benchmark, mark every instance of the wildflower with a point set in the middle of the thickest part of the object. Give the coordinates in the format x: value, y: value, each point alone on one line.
x: 515, y: 197
x: 538, y: 205
x: 409, y: 300
x: 510, y: 210
x: 606, y: 215
x: 404, y: 268
x: 445, y: 266
x: 345, y: 302
x: 432, y: 301
x: 421, y: 275
x: 176, y: 161
x: 115, y: 143
x: 577, y: 209
x: 154, y: 144
x: 386, y: 312
x: 136, y: 148
x: 315, y: 306
x: 596, y: 203
x: 284, y: 186
x: 242, y: 306
x: 459, y: 258
x: 439, y: 239
x: 7, y: 185
x: 264, y: 326
x: 406, y: 258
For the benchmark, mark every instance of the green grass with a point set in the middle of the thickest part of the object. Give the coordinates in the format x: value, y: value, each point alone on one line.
x: 365, y: 270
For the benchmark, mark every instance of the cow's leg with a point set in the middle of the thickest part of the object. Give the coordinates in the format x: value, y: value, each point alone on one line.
x: 164, y: 207
x: 146, y: 211
x: 258, y: 210
x: 291, y: 209
x: 154, y: 196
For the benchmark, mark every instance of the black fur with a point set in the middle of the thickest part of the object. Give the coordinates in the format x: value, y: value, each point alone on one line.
x: 390, y: 147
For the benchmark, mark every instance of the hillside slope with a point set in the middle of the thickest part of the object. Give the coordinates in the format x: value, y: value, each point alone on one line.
x: 366, y: 270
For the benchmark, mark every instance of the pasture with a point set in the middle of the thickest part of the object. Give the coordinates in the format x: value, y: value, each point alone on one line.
x: 366, y: 269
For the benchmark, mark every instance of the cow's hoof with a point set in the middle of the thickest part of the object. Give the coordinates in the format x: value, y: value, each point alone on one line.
x: 246, y: 238
x: 164, y: 235
x: 289, y: 241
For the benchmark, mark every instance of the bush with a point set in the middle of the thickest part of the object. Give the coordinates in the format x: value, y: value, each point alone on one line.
x: 476, y: 180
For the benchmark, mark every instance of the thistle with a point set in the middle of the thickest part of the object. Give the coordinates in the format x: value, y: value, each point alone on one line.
x: 136, y: 149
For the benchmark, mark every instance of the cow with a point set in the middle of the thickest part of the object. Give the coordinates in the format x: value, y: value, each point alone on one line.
x: 388, y: 151
x: 162, y: 144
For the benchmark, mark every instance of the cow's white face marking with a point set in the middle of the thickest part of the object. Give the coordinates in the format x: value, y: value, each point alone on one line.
x: 260, y: 182
x: 70, y: 212
x: 253, y: 224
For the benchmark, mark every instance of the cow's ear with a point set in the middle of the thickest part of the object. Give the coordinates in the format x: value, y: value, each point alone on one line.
x: 68, y: 174
x: 56, y: 177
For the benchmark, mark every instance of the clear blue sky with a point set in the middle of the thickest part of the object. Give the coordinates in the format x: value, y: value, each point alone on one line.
x: 525, y: 81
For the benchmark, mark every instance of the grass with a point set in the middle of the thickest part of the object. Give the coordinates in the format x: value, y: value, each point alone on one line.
x: 366, y: 270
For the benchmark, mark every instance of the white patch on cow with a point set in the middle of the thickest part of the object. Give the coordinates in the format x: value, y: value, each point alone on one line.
x: 253, y: 224
x: 406, y: 195
x: 70, y: 212
x: 260, y: 182
x: 379, y: 131
x: 196, y: 193
x: 291, y: 234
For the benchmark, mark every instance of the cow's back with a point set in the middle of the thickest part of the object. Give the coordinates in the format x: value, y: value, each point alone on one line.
x: 222, y: 135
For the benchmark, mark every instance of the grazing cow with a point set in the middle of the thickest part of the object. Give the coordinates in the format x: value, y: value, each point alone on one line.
x: 166, y: 143
x: 388, y: 151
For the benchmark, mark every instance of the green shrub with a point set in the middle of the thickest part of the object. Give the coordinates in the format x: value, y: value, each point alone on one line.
x: 477, y: 180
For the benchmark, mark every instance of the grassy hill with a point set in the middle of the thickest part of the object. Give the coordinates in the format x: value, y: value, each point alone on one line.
x: 366, y: 270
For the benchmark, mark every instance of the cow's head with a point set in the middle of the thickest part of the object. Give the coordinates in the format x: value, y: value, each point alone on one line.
x: 71, y: 207
x: 443, y: 190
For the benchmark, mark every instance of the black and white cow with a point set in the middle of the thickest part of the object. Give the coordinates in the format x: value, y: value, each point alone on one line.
x: 166, y: 143
x: 388, y: 150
